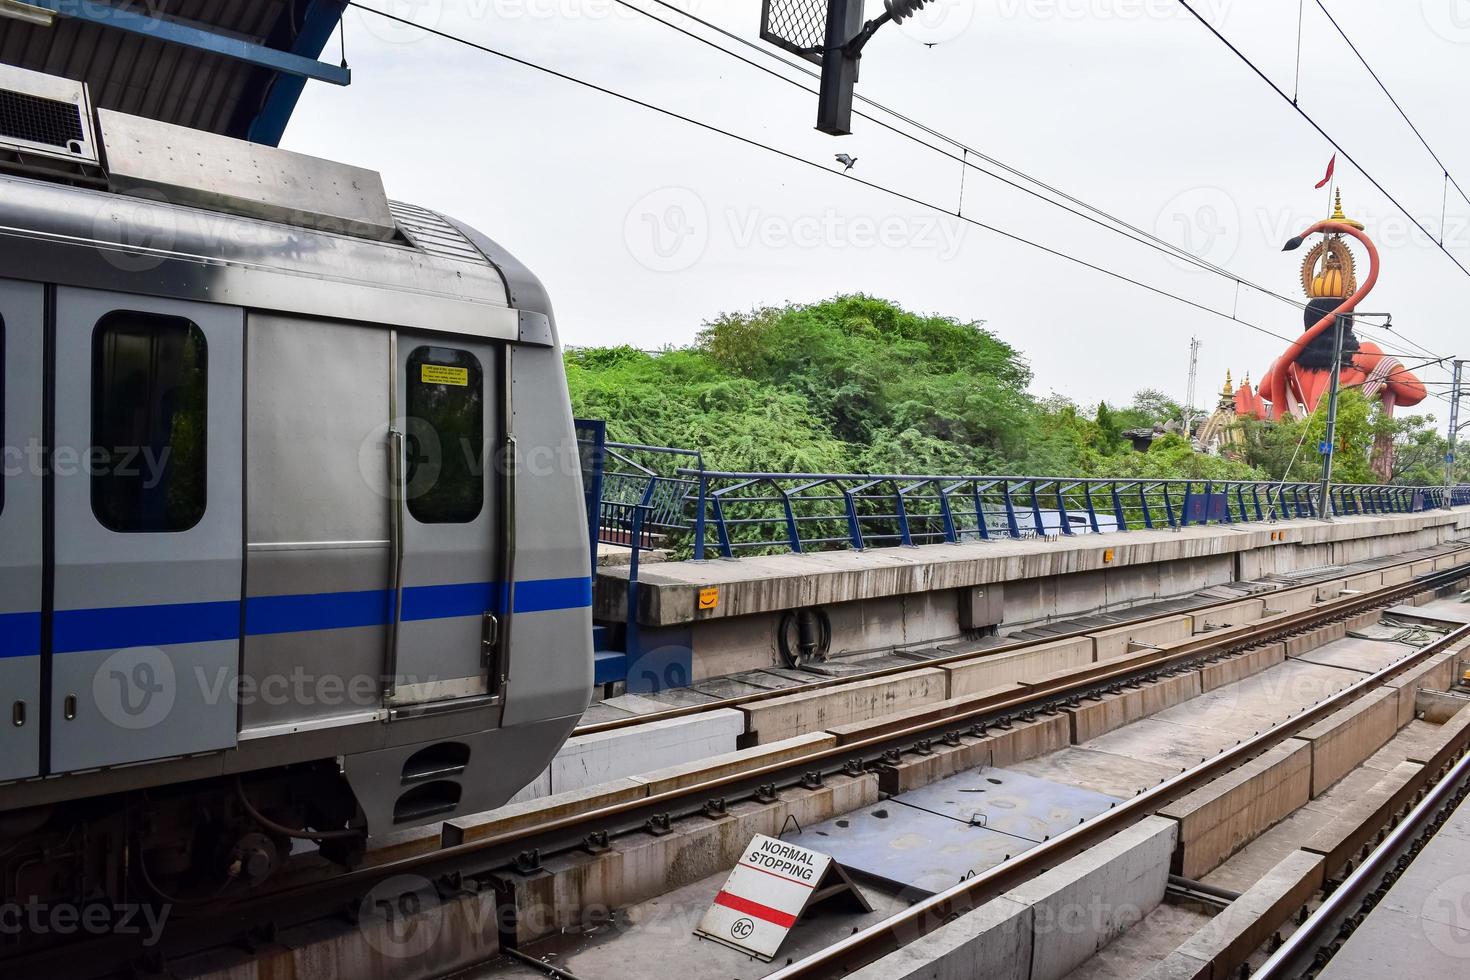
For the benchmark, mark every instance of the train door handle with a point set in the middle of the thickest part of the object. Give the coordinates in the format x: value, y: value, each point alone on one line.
x: 489, y: 637
x: 18, y: 714
x: 69, y: 707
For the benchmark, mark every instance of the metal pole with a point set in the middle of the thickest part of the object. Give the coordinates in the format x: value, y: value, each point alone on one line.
x: 1324, y: 493
x: 1449, y: 459
x: 839, y: 70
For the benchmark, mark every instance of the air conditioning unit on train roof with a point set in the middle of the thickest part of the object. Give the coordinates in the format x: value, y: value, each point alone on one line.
x: 46, y: 124
x: 49, y: 128
x: 162, y: 161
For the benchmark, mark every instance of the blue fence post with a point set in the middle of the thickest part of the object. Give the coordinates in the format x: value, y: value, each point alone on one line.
x: 902, y: 513
x: 1091, y: 511
x: 1188, y: 495
x: 1169, y: 505
x: 946, y: 513
x: 631, y: 639
x: 1148, y: 518
x: 699, y: 518
x: 725, y: 548
x: 792, y: 534
x: 1015, y: 526
x: 1035, y: 489
x: 980, y: 518
x: 1063, y: 521
x: 854, y: 528
x: 1118, y: 513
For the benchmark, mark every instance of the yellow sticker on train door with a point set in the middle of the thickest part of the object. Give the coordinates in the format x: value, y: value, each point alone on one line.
x: 443, y: 374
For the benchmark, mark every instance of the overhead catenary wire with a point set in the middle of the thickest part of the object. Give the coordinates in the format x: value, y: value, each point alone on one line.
x: 1256, y: 69
x: 796, y: 158
x: 1104, y: 219
x: 1108, y: 220
x: 1449, y: 180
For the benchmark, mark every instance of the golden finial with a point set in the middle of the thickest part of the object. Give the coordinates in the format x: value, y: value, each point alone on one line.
x: 1229, y: 387
x: 1337, y: 214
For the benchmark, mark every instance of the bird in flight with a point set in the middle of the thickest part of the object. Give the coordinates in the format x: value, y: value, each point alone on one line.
x: 846, y: 161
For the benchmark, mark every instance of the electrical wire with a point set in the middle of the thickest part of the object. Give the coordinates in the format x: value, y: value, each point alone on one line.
x: 1320, y: 131
x: 749, y: 141
x: 1103, y: 219
x: 1449, y: 180
x: 1123, y: 228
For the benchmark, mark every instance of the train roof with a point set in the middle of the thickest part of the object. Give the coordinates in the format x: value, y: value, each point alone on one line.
x: 167, y: 210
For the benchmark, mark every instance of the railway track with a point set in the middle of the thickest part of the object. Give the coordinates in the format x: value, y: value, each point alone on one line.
x: 470, y: 866
x: 1311, y: 947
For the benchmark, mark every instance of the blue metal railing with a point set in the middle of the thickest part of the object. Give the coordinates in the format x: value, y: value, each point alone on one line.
x: 730, y: 513
x: 646, y: 493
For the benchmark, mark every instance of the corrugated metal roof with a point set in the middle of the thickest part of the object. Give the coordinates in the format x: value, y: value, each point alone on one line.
x: 147, y: 76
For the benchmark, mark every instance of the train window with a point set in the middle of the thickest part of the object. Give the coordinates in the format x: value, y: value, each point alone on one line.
x: 445, y: 440
x: 150, y: 378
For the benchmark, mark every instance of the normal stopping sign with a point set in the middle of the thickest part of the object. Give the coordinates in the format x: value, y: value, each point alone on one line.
x: 769, y: 890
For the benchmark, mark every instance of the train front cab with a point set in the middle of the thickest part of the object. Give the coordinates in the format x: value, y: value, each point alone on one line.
x: 318, y: 563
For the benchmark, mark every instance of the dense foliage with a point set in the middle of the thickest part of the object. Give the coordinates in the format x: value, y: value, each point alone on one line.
x: 856, y: 384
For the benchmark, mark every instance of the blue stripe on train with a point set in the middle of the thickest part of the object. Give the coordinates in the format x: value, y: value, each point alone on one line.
x: 343, y: 610
x: 326, y: 610
x: 20, y: 634
x: 79, y: 630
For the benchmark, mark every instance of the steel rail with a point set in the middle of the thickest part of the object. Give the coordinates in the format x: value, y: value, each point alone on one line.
x: 633, y: 721
x: 1298, y: 953
x: 929, y: 914
x: 304, y: 901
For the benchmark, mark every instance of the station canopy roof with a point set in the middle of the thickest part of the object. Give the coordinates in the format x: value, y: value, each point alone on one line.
x: 235, y: 67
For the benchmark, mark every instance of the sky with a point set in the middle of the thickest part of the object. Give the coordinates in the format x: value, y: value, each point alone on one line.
x: 644, y: 227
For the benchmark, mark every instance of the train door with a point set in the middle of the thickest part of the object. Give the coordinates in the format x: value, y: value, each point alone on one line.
x: 148, y: 528
x: 449, y: 594
x: 21, y: 374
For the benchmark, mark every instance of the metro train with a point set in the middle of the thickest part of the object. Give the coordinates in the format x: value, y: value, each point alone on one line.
x: 293, y: 546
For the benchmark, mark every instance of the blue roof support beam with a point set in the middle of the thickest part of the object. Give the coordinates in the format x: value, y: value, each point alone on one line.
x: 173, y: 32
x: 319, y: 20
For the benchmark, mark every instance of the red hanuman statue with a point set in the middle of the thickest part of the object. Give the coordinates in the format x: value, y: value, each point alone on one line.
x: 1299, y: 378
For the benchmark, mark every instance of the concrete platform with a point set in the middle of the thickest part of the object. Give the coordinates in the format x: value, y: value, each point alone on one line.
x: 907, y: 597
x: 751, y: 585
x: 1421, y: 928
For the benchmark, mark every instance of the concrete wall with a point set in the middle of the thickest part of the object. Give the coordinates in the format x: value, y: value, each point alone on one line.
x: 894, y: 597
x: 1217, y: 820
x: 1049, y: 926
